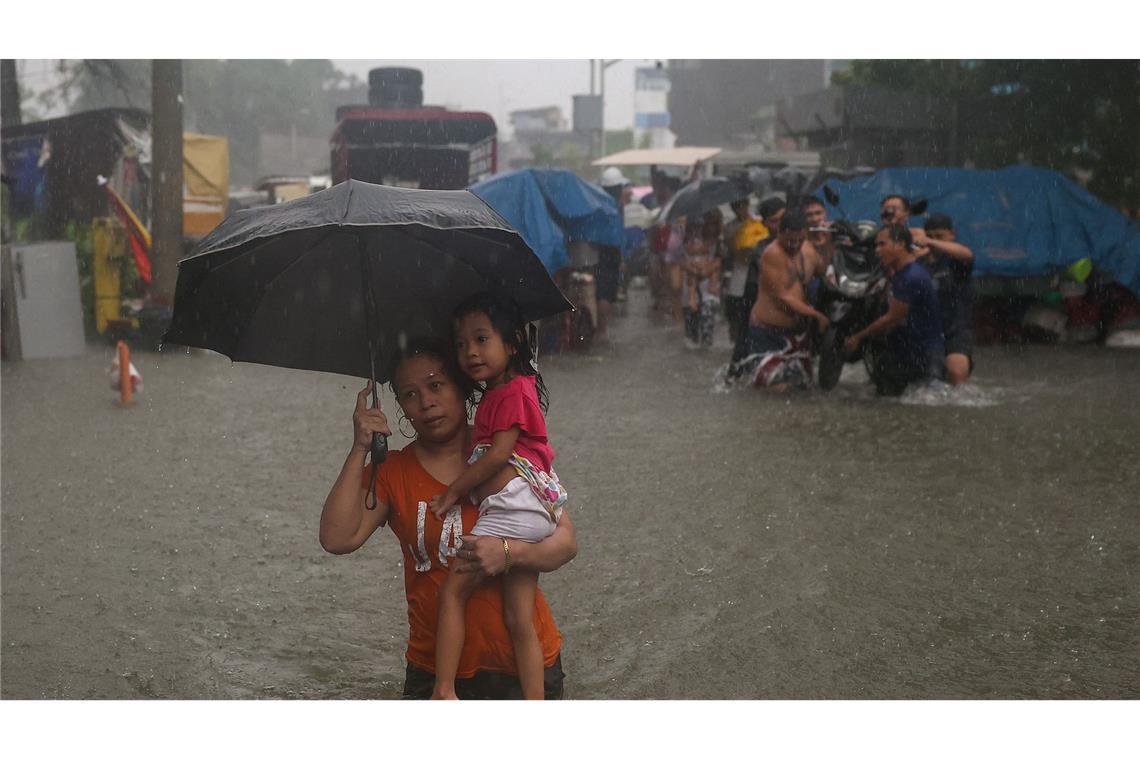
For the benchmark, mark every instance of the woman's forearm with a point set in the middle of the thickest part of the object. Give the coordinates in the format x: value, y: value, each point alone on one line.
x: 342, y: 515
x: 551, y: 553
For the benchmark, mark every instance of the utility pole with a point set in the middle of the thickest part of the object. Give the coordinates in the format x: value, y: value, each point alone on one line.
x: 10, y: 93
x: 605, y: 65
x: 166, y: 176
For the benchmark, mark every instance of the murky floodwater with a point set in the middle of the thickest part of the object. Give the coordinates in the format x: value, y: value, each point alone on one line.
x: 732, y: 545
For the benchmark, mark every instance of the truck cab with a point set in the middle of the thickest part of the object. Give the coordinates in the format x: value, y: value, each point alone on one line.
x: 396, y: 140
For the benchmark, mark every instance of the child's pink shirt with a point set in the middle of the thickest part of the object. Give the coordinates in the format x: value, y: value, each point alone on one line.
x: 515, y: 403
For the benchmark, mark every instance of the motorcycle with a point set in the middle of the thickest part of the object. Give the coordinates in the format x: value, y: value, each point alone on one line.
x: 854, y: 294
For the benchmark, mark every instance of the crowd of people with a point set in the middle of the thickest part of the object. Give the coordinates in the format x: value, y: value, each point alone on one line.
x: 766, y: 275
x: 467, y: 502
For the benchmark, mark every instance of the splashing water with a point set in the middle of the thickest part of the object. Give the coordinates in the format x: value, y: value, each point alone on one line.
x: 937, y: 393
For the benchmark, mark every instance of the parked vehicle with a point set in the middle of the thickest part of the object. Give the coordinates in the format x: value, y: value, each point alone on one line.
x: 397, y: 140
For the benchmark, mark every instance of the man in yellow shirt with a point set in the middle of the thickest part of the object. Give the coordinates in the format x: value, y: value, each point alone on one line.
x: 741, y: 236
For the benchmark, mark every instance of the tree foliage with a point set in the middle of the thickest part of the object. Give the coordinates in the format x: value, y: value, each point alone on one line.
x: 238, y: 99
x: 1076, y: 116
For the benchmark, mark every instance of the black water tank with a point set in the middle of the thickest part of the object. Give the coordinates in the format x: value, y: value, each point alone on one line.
x: 395, y: 87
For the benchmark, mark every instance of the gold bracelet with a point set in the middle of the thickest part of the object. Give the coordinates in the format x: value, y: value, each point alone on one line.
x: 507, y: 552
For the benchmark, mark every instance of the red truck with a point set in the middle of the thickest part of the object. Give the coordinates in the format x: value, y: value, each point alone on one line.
x: 396, y: 140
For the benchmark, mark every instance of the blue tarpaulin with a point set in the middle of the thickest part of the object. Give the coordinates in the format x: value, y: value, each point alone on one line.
x: 1020, y: 221
x: 550, y: 207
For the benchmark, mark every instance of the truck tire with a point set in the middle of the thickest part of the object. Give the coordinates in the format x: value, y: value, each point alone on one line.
x: 394, y: 75
x: 830, y: 359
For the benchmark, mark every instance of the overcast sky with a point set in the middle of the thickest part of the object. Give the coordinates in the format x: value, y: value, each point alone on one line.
x: 496, y: 87
x: 499, y: 87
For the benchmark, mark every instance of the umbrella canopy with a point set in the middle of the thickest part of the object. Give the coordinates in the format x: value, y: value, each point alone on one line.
x: 696, y: 198
x: 550, y: 207
x: 294, y: 285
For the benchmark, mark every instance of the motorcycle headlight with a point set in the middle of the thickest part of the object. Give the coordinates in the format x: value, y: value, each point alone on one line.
x: 852, y: 288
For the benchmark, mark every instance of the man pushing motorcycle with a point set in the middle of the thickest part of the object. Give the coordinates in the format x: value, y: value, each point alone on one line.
x: 775, y: 349
x: 913, y: 323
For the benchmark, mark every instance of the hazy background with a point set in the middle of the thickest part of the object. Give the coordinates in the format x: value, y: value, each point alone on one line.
x: 494, y: 86
x: 499, y: 87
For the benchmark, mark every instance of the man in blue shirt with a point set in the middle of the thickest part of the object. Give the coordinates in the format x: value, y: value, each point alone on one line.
x: 950, y: 265
x: 915, y: 347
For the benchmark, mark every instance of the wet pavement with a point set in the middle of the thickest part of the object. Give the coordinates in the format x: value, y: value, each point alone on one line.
x: 973, y: 544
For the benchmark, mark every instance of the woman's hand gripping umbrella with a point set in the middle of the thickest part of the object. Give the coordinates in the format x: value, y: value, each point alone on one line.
x: 340, y: 281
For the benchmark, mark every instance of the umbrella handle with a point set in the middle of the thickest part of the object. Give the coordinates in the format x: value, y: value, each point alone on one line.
x: 379, y: 448
x: 379, y: 440
x: 379, y: 454
x: 379, y: 451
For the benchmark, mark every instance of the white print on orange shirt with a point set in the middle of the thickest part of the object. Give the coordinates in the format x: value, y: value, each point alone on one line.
x: 449, y: 539
x: 423, y: 562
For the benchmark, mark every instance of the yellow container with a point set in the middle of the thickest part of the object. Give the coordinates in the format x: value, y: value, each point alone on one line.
x: 111, y: 249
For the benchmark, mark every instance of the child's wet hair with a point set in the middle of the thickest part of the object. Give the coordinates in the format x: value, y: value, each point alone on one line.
x: 506, y: 319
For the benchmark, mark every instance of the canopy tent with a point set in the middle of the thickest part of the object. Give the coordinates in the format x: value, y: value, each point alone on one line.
x: 550, y: 207
x: 1020, y: 221
x: 658, y: 157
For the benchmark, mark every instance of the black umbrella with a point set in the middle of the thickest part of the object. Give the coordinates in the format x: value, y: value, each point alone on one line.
x: 340, y: 280
x: 695, y: 198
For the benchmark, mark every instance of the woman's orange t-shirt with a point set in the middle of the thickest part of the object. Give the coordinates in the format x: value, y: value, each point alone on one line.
x: 406, y: 487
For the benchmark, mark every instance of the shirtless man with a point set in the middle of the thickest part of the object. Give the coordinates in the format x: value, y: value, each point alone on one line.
x: 776, y: 350
x: 819, y: 235
x: 820, y: 242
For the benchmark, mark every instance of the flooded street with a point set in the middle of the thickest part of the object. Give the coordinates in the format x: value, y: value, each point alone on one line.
x: 732, y: 545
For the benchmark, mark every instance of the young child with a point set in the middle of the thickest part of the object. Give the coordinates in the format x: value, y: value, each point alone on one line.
x: 701, y: 292
x: 510, y: 478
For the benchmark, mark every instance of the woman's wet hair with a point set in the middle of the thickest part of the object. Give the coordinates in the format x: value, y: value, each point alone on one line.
x: 898, y: 233
x: 506, y: 319
x: 712, y: 221
x: 694, y: 228
x: 442, y: 351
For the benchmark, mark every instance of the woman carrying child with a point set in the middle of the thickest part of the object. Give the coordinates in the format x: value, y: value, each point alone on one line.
x: 510, y: 478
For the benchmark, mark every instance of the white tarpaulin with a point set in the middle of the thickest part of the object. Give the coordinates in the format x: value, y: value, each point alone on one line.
x: 658, y: 157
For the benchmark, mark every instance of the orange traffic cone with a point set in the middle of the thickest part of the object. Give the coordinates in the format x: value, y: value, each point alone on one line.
x: 124, y: 377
